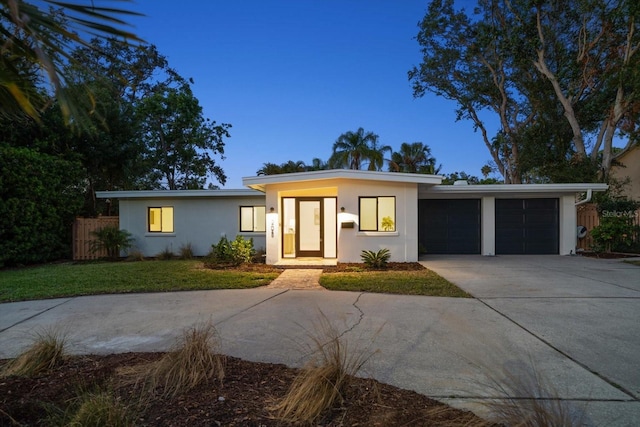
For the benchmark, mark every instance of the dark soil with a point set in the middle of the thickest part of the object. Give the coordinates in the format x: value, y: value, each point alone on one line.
x: 242, y: 399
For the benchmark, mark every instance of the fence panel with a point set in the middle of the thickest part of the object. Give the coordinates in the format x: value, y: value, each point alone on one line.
x: 82, y: 237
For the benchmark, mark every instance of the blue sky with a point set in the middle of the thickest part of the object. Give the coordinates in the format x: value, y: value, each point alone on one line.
x: 290, y: 76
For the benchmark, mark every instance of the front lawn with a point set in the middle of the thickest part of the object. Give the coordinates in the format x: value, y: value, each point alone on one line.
x: 71, y: 279
x: 412, y: 282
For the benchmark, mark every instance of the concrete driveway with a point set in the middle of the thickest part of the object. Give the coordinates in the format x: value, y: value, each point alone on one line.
x: 572, y: 320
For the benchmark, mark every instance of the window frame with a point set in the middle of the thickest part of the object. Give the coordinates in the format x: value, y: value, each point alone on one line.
x: 377, y: 214
x: 253, y: 229
x: 160, y: 221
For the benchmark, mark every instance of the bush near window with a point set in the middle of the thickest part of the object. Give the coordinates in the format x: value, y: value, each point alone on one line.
x: 376, y: 260
x: 234, y: 252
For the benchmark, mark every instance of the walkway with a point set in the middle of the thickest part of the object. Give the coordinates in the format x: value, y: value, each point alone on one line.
x: 299, y: 279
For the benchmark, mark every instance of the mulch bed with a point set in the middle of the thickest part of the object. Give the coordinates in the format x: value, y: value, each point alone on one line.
x: 608, y: 255
x: 242, y: 399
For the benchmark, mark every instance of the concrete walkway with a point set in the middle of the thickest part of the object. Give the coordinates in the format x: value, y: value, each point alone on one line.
x: 571, y: 320
x: 298, y: 278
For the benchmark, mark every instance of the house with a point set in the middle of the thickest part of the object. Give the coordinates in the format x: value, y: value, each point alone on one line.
x: 333, y: 215
x: 629, y: 168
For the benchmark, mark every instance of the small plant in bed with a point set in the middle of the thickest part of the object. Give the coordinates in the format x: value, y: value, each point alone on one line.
x: 376, y: 260
x: 230, y: 253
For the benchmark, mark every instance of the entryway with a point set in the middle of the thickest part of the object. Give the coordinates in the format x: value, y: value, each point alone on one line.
x: 309, y: 227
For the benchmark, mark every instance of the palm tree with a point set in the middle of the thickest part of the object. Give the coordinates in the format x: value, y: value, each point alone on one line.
x: 317, y: 164
x: 293, y: 166
x: 413, y: 158
x: 34, y: 42
x: 269, y: 169
x: 351, y: 148
x: 375, y: 155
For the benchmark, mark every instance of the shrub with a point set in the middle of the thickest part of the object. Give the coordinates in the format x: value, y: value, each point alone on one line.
x: 616, y: 231
x: 192, y: 362
x: 112, y: 240
x: 46, y: 352
x: 165, y: 255
x: 235, y: 252
x: 186, y: 251
x: 100, y: 409
x: 323, y: 381
x: 376, y: 260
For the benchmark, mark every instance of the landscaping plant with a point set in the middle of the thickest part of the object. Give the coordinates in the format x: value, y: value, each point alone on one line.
x: 234, y: 252
x: 322, y: 382
x: 112, y: 240
x: 194, y: 361
x: 46, y: 352
x: 616, y: 231
x: 376, y: 260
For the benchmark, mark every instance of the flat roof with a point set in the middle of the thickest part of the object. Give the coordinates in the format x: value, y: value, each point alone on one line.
x: 260, y: 182
x: 507, y: 189
x: 155, y: 194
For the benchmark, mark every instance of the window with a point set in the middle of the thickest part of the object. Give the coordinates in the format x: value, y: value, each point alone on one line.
x: 253, y: 218
x: 161, y: 220
x: 378, y: 213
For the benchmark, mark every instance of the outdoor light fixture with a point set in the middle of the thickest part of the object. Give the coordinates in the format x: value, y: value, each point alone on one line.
x: 271, y: 209
x: 342, y: 209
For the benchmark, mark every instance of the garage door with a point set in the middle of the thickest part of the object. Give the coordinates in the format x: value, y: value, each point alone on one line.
x: 527, y: 226
x: 449, y: 226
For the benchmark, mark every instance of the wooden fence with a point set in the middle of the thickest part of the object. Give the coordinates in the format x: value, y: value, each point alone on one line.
x: 82, y: 237
x: 588, y: 217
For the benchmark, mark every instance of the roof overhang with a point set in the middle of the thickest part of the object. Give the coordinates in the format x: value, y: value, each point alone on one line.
x: 164, y: 194
x: 507, y: 190
x: 260, y: 182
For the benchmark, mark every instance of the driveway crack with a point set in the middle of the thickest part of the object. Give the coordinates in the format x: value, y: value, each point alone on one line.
x: 26, y: 319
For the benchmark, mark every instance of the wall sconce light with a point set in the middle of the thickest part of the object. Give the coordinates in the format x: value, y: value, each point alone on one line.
x: 271, y: 209
x: 342, y: 209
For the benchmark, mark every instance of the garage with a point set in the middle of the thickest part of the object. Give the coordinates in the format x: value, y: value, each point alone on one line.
x: 527, y: 226
x: 449, y: 226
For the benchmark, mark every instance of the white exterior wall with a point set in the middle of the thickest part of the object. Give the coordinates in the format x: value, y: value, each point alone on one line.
x: 488, y: 230
x: 403, y: 243
x: 568, y: 225
x: 199, y: 221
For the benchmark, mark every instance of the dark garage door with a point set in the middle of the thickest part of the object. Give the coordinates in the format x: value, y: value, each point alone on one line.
x: 449, y: 226
x: 527, y: 226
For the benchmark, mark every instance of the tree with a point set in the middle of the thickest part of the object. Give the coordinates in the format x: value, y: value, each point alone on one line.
x: 317, y: 164
x: 413, y: 158
x: 39, y: 197
x: 33, y: 40
x: 181, y: 142
x: 375, y: 154
x: 269, y: 169
x: 562, y: 78
x: 352, y: 148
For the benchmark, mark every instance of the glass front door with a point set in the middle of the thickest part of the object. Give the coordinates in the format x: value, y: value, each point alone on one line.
x: 309, y: 220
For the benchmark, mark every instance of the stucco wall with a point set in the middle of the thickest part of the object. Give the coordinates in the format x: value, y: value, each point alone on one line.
x: 631, y: 170
x: 403, y: 243
x: 199, y: 221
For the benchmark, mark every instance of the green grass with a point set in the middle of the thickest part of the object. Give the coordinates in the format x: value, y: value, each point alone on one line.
x: 418, y: 282
x: 633, y: 262
x: 69, y: 279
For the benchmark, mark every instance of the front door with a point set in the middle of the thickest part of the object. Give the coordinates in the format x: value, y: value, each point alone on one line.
x: 309, y: 230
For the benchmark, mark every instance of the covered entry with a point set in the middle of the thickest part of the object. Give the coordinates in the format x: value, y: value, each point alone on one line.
x: 309, y: 227
x: 450, y: 226
x: 527, y: 226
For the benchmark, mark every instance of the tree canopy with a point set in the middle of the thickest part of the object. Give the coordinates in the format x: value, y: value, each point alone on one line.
x: 562, y: 78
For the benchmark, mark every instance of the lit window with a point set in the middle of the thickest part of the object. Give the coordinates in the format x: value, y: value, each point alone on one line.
x: 161, y: 220
x: 378, y: 213
x: 253, y: 218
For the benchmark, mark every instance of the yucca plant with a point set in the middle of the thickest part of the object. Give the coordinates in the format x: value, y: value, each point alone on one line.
x: 376, y: 260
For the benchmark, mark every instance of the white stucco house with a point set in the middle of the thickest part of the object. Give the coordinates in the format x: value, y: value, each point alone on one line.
x: 332, y: 215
